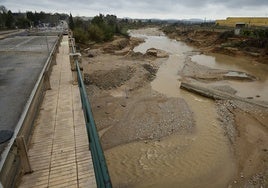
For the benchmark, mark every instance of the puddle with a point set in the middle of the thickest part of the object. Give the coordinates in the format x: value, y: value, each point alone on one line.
x: 199, y: 159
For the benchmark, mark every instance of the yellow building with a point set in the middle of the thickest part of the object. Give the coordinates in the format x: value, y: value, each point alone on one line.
x: 248, y: 21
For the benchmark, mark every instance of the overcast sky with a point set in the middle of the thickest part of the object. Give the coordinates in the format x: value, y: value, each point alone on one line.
x: 163, y: 9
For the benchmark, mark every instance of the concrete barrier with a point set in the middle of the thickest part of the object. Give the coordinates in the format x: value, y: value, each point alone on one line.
x: 218, y: 95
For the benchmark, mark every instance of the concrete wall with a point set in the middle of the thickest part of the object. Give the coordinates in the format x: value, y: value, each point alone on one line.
x: 250, y: 21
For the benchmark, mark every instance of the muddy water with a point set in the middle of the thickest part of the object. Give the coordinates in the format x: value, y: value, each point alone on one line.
x: 199, y: 159
x: 257, y: 89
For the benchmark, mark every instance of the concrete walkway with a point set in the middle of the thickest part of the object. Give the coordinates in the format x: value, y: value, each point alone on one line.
x: 59, y: 154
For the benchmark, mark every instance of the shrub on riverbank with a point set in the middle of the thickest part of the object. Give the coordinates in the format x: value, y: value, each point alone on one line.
x: 100, y: 29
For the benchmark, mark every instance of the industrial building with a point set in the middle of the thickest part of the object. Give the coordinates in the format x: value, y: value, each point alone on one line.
x: 247, y: 21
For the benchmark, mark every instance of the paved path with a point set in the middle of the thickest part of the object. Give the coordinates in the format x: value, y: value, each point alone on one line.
x: 59, y: 153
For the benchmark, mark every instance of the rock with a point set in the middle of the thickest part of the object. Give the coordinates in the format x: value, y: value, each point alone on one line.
x: 156, y: 53
x: 152, y: 52
x: 150, y: 68
x: 90, y: 55
x: 87, y: 49
x: 123, y: 104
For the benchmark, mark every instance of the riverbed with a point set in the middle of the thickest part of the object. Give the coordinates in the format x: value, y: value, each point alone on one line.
x: 157, y: 135
x: 185, y: 160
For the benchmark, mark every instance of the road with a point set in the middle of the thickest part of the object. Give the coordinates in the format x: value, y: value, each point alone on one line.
x: 21, y: 61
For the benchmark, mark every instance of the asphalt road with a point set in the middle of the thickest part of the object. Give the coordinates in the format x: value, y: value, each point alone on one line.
x: 21, y: 61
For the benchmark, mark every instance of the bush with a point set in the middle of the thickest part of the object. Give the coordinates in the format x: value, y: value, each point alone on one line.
x: 95, y: 33
x: 256, y: 33
x: 246, y: 33
x: 227, y: 34
x: 101, y: 28
x: 80, y: 35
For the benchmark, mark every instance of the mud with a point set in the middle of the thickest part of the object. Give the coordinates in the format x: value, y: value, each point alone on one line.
x: 246, y: 127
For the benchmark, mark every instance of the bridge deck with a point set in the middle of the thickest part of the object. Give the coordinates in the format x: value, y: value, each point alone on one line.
x: 59, y: 154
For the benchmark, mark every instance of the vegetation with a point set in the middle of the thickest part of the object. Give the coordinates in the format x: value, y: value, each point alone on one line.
x: 71, y: 22
x: 103, y: 28
x: 100, y: 28
x: 9, y: 20
x: 255, y: 33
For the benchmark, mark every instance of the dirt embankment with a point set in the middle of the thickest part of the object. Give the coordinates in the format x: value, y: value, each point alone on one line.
x: 224, y: 42
x: 125, y: 107
x: 247, y: 129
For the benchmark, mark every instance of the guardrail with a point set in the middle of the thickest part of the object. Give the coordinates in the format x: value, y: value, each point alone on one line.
x: 100, y: 167
x: 11, y: 161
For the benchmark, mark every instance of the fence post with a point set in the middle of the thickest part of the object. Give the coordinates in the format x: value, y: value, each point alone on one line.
x: 47, y: 80
x: 23, y: 154
x: 73, y: 58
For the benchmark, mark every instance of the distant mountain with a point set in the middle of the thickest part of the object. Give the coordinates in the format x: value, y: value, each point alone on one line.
x: 171, y: 21
x: 193, y: 20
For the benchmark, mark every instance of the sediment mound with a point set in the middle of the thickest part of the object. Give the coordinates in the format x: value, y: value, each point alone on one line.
x: 150, y: 120
x: 201, y: 72
x: 109, y: 79
x: 115, y: 45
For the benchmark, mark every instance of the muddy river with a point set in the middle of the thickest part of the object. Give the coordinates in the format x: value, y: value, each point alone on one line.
x: 200, y: 159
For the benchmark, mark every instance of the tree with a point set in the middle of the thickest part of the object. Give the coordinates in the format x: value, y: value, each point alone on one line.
x: 23, y: 23
x: 3, y: 9
x: 96, y: 33
x: 71, y: 22
x: 3, y: 14
x: 98, y: 20
x: 10, y: 20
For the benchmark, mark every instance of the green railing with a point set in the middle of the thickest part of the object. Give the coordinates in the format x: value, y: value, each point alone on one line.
x: 100, y: 167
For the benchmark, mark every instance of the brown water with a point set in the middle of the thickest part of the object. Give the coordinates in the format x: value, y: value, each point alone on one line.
x: 199, y: 159
x: 244, y: 89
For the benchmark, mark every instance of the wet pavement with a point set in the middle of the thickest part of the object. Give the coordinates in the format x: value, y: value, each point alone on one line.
x: 21, y: 61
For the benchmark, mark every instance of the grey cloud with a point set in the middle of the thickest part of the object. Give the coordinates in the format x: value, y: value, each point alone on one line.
x: 146, y: 8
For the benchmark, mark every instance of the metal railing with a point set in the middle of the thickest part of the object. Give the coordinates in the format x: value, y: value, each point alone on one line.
x: 100, y: 167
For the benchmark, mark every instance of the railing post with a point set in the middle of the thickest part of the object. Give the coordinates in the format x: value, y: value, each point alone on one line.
x: 23, y: 154
x: 71, y: 45
x: 54, y: 57
x: 73, y: 58
x: 47, y: 80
